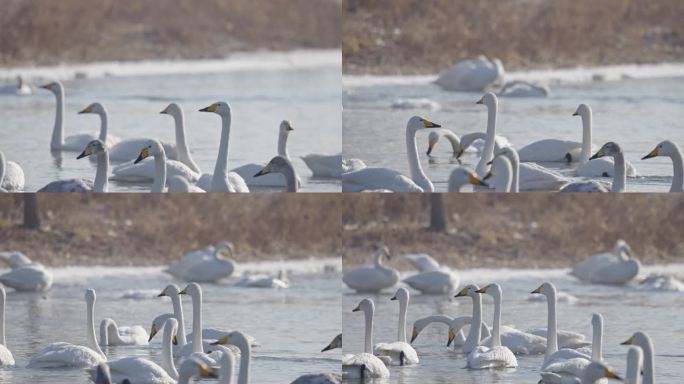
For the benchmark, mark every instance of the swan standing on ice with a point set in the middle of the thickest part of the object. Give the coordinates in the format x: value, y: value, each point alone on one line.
x: 97, y: 148
x: 400, y: 352
x: 112, y: 334
x: 220, y: 180
x: 531, y: 176
x: 6, y: 358
x: 66, y: 355
x: 283, y: 166
x: 372, y: 278
x: 474, y: 75
x: 11, y: 175
x: 642, y: 340
x: 671, y: 150
x: 365, y: 365
x: 479, y: 356
x: 618, y: 267
x: 74, y: 142
x: 461, y: 177
x: 385, y: 178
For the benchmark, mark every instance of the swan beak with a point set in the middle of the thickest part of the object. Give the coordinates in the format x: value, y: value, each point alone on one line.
x: 163, y: 293
x: 452, y: 336
x: 165, y: 111
x: 223, y: 340
x: 184, y: 291
x: 628, y: 341
x: 153, y: 332
x: 460, y: 153
x: 598, y: 154
x: 463, y: 292
x: 358, y: 308
x: 211, y: 108
x: 47, y: 86
x: 143, y: 154
x: 393, y: 298
x: 488, y: 176
x: 430, y: 124
x: 328, y: 347
x: 266, y: 170
x: 86, y: 152
x: 610, y: 374
x: 88, y: 109
x: 481, y: 101
x: 538, y: 290
x: 174, y: 340
x: 653, y: 153
x: 475, y: 181
x: 289, y: 127
x: 414, y: 334
x: 575, y: 114
x: 483, y: 289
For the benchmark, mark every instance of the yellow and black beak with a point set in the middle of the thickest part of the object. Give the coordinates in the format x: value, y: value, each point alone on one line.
x: 488, y: 176
x: 145, y: 153
x: 651, y: 154
x: 184, y: 291
x: 414, y: 334
x: 576, y: 113
x: 265, y: 171
x: 429, y: 124
x: 462, y: 292
x: 483, y: 289
x: 163, y: 293
x: 47, y: 86
x: 222, y: 341
x: 88, y: 109
x: 474, y: 180
x: 393, y: 298
x: 481, y: 101
x: 211, y: 108
x: 628, y: 341
x: 538, y: 290
x: 86, y: 152
x: 611, y: 374
x: 165, y: 111
x: 153, y: 332
x: 358, y: 308
x: 598, y: 154
x: 452, y: 336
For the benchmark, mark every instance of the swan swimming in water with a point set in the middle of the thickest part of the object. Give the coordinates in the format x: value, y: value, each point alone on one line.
x: 25, y: 275
x: 671, y: 150
x: 365, y: 365
x: 112, y: 334
x: 620, y: 175
x: 454, y: 324
x: 200, y: 256
x: 372, y: 278
x: 618, y: 267
x: 531, y: 176
x: 6, y: 358
x: 474, y: 75
x: 94, y: 148
x: 523, y: 89
x: 643, y: 341
x: 205, y: 267
x: 385, y: 178
x: 11, y: 175
x: 400, y: 352
x: 180, y: 184
x: 501, y: 172
x: 323, y: 378
x: 284, y: 167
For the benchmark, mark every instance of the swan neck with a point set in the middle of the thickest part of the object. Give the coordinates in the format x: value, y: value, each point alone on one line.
x: 222, y: 159
x: 181, y: 145
x: 455, y: 142
x: 649, y: 368
x: 597, y: 342
x: 620, y: 178
x: 3, y: 297
x: 101, y: 173
x: 368, y: 346
x: 503, y: 183
x: 226, y: 372
x: 103, y: 126
x: 58, y: 130
x: 3, y: 164
x: 496, y: 335
x: 290, y: 179
x: 586, y: 137
x: 515, y: 179
x: 197, y: 324
x: 245, y: 359
x: 90, y: 327
x: 159, y: 172
x: 551, y: 333
x: 178, y: 314
x: 417, y: 173
x: 475, y: 333
x: 282, y: 144
x: 490, y: 136
x: 403, y: 309
x: 167, y: 355
x: 678, y: 172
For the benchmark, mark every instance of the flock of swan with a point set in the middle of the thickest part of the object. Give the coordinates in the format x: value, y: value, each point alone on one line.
x: 503, y: 168
x: 171, y: 166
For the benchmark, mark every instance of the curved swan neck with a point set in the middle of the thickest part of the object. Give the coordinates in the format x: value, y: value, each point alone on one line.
x: 159, y: 173
x: 475, y: 333
x: 100, y: 184
x: 167, y: 355
x: 197, y: 323
x: 490, y: 136
x: 282, y: 144
x: 515, y: 167
x: 103, y: 125
x: 620, y: 178
x: 368, y: 346
x: 597, y: 342
x: 586, y: 136
x: 58, y: 130
x: 178, y: 314
x: 181, y: 144
x: 678, y: 171
x: 3, y: 297
x: 403, y: 309
x: 222, y: 159
x: 496, y: 334
x: 90, y: 329
x: 551, y: 333
x: 417, y: 173
x: 649, y: 368
x: 454, y: 140
x: 245, y: 359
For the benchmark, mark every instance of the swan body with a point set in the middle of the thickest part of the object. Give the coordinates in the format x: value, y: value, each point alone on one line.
x: 461, y: 177
x: 29, y: 278
x: 524, y: 89
x: 474, y: 75
x: 609, y: 268
x: 642, y: 340
x: 180, y: 184
x: 519, y: 342
x: 384, y: 178
x: 372, y: 278
x: 264, y: 281
x: 400, y: 352
x: 549, y: 151
x: 11, y: 175
x: 283, y: 166
x: 145, y: 171
x: 433, y: 282
x: 112, y: 334
x: 94, y: 148
x: 6, y: 358
x: 209, y: 271
x: 66, y: 355
x: 200, y: 256
x: 586, y: 186
x: 669, y: 149
x: 365, y: 365
x: 423, y: 262
x: 319, y: 378
x: 328, y: 166
x: 531, y: 176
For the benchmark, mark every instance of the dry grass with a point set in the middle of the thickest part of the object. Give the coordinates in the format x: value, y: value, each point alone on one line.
x: 523, y: 230
x: 47, y: 31
x: 139, y: 229
x: 426, y: 36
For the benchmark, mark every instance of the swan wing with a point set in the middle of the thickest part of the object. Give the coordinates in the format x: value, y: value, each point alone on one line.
x: 138, y: 370
x: 573, y: 367
x: 325, y: 166
x: 349, y: 165
x: 380, y: 178
x: 372, y: 366
x: 369, y: 279
x: 620, y: 272
x: 399, y: 352
x: 585, y: 268
x: 32, y: 278
x: 519, y: 342
x: 134, y: 335
x: 61, y: 355
x: 548, y: 150
x: 586, y: 186
x: 498, y: 357
x: 208, y: 271
x: 437, y: 282
x: 72, y: 185
x: 534, y: 177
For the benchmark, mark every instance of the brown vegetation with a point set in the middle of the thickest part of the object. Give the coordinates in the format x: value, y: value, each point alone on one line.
x: 426, y: 36
x: 47, y: 31
x: 517, y: 231
x: 142, y: 229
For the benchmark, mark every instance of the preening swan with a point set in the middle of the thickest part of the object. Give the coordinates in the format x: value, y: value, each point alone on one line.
x: 74, y: 142
x: 6, y: 358
x: 372, y: 278
x: 502, y: 174
x: 241, y: 341
x: 423, y: 262
x: 284, y: 167
x: 385, y: 178
x: 365, y: 365
x: 112, y: 334
x: 479, y: 356
x: 11, y: 175
x: 474, y: 75
x: 400, y: 352
x: 523, y: 89
x: 66, y: 355
x: 461, y: 177
x: 220, y: 180
x: 671, y: 150
x: 247, y: 171
x: 200, y: 256
x: 618, y: 267
x: 641, y: 339
x: 531, y: 176
x: 97, y: 148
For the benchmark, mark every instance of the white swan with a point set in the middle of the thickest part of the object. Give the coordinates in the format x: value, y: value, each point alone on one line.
x: 74, y: 142
x: 475, y: 141
x: 435, y: 135
x: 479, y: 356
x: 180, y: 184
x: 247, y: 171
x: 516, y: 341
x: 282, y: 166
x: 618, y: 267
x: 501, y: 172
x: 472, y: 75
x: 6, y: 358
x: 455, y: 325
x: 665, y: 283
x: 241, y: 341
x: 349, y: 165
x: 523, y: 89
x: 220, y: 180
x: 264, y: 281
x: 556, y: 150
x: 182, y: 151
x: 586, y: 186
x: 642, y: 340
x: 461, y: 177
x: 323, y: 378
x: 385, y: 178
x: 595, y: 372
x: 531, y: 176
x: 97, y: 148
x: 492, y: 103
x: 619, y: 175
x: 423, y: 262
x: 28, y: 278
x: 66, y: 355
x: 209, y: 270
x: 372, y: 278
x: 199, y: 256
x: 197, y: 347
x: 11, y: 175
x: 155, y: 149
x: 112, y: 334
x: 400, y: 352
x: 15, y: 259
x: 438, y: 281
x: 671, y: 150
x: 365, y: 365
x: 330, y: 166
x: 635, y: 361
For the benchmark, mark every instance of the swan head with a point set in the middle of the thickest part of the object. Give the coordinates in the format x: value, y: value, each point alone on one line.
x: 639, y: 339
x: 95, y: 147
x: 546, y: 289
x: 433, y: 138
x: 169, y: 290
x: 172, y: 109
x: 95, y: 108
x: 54, y: 87
x: 402, y: 295
x: 235, y: 338
x: 621, y: 248
x: 335, y: 343
x: 468, y: 290
x: 227, y: 246
x: 365, y: 305
x: 158, y: 323
x: 151, y: 148
x: 416, y: 123
x: 193, y: 290
x: 382, y: 250
x: 510, y: 153
x: 90, y: 296
x: 665, y: 148
x: 278, y: 164
x: 285, y: 126
x: 597, y: 321
x: 492, y: 289
x: 582, y: 110
x: 191, y: 368
x: 610, y: 148
x: 596, y: 371
x: 489, y: 99
x: 461, y: 176
x: 220, y: 107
